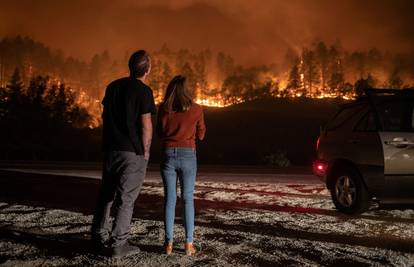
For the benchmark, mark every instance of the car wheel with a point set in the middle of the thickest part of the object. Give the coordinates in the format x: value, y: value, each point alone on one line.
x: 349, y: 193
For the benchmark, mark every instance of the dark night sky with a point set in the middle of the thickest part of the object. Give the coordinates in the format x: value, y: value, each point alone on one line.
x: 252, y: 31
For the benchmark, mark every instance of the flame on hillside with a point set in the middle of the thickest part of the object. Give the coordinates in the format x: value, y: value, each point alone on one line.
x: 93, y: 106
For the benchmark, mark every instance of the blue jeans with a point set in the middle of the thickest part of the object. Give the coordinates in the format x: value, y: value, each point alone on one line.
x: 181, y: 163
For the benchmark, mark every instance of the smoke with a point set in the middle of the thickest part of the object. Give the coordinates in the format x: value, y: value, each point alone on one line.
x: 253, y: 32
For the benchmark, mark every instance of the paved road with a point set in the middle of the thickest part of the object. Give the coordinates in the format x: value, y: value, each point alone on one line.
x: 205, y: 173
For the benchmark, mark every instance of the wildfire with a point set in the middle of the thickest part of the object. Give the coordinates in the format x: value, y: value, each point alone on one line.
x: 321, y: 95
x: 210, y: 102
x: 218, y: 102
x: 93, y: 106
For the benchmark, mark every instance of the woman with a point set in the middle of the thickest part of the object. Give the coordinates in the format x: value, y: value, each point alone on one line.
x: 180, y: 121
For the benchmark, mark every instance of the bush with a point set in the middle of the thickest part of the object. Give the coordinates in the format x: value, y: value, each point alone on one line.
x: 277, y: 159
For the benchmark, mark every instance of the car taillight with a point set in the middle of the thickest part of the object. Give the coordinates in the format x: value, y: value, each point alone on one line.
x: 317, y: 143
x: 320, y: 167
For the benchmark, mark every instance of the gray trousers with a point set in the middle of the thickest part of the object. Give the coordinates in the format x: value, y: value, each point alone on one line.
x: 122, y: 178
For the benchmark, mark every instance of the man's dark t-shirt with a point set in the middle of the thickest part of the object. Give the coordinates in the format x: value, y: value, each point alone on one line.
x: 125, y: 101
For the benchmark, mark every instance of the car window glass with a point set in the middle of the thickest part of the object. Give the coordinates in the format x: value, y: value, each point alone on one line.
x: 343, y: 116
x: 367, y: 123
x: 391, y: 115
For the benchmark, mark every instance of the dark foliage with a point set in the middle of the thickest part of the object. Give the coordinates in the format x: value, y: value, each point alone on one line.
x: 39, y: 120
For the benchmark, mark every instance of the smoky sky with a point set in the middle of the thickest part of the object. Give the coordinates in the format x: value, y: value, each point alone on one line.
x: 253, y: 32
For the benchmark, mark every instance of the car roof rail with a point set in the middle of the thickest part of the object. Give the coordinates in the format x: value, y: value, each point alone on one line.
x: 372, y: 92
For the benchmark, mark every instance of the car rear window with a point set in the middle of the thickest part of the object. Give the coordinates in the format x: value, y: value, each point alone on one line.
x: 343, y: 116
x: 367, y: 123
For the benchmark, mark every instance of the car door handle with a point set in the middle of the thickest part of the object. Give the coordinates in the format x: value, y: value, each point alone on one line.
x: 399, y: 142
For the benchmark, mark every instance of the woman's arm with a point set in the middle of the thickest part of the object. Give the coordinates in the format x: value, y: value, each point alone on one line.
x: 201, y: 126
x: 158, y: 127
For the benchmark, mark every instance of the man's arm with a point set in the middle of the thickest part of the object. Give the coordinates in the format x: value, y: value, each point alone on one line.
x: 146, y: 123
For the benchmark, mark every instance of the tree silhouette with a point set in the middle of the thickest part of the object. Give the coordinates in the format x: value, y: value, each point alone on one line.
x: 337, y: 79
x: 225, y: 65
x: 319, y: 67
x: 395, y: 81
x: 294, y: 81
x: 200, y: 73
x: 188, y: 72
x: 323, y: 58
x: 311, y: 76
x: 155, y: 79
x: 362, y: 84
x: 14, y: 94
x: 39, y: 117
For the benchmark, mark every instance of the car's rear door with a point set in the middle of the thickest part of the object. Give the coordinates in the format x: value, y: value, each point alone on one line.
x: 368, y: 154
x: 395, y: 113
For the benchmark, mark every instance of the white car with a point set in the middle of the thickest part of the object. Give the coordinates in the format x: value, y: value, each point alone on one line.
x: 366, y: 152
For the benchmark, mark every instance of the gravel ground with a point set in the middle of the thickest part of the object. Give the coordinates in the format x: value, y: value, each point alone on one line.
x: 284, y: 223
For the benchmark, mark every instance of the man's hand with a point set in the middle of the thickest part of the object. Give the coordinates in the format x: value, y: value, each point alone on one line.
x: 146, y: 134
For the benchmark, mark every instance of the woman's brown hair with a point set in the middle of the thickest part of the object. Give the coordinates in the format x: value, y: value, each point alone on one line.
x: 177, y: 98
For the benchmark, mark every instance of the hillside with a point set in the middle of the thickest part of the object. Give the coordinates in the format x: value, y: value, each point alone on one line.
x: 247, y: 133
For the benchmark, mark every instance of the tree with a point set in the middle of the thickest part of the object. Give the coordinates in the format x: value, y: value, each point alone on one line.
x: 57, y: 102
x: 166, y: 73
x: 372, y: 81
x: 310, y: 67
x: 165, y: 50
x: 362, y: 84
x: 225, y: 64
x: 15, y: 86
x: 182, y: 58
x: 374, y: 58
x: 336, y: 80
x: 346, y: 89
x: 156, y: 76
x: 95, y: 73
x: 13, y: 94
x: 3, y: 102
x: 290, y: 58
x: 294, y: 81
x: 245, y: 84
x: 200, y: 73
x: 2, y: 63
x: 358, y: 62
x: 395, y: 81
x: 37, y: 89
x: 323, y: 59
x: 264, y: 91
x: 188, y: 72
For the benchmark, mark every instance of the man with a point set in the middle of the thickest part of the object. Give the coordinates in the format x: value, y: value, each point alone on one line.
x: 127, y: 133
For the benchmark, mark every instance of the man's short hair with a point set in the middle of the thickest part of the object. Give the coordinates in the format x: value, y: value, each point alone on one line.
x: 139, y: 63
